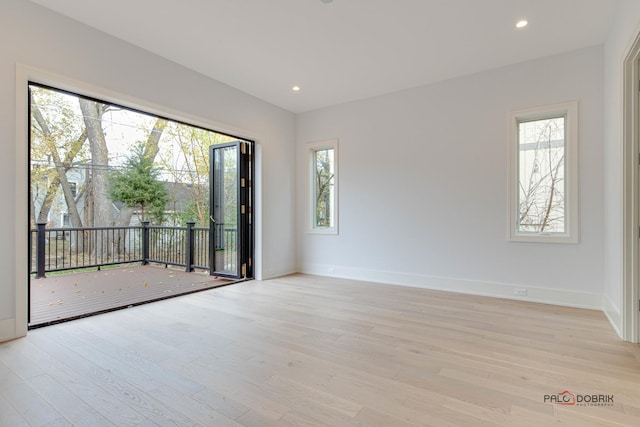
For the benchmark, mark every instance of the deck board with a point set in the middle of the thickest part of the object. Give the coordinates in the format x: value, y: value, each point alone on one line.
x: 66, y: 296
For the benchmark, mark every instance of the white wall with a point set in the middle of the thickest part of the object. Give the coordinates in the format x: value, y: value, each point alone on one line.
x: 624, y: 29
x: 423, y: 185
x: 39, y: 38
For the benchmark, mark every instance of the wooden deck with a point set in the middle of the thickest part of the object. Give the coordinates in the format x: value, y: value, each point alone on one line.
x: 71, y: 295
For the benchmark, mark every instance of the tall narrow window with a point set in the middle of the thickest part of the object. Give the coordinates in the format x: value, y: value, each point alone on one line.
x: 323, y: 187
x: 544, y: 205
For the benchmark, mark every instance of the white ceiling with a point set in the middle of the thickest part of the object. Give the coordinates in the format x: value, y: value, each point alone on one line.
x: 345, y: 50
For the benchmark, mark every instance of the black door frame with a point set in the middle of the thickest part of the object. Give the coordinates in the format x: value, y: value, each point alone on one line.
x: 245, y: 233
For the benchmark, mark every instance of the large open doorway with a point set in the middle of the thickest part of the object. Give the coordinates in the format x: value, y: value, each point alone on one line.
x: 116, y: 192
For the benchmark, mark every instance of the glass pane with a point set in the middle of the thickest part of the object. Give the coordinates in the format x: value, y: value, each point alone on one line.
x: 541, y: 176
x: 225, y: 209
x: 324, y: 188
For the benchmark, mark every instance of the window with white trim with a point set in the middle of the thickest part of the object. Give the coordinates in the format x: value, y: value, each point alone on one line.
x: 323, y: 187
x: 544, y: 174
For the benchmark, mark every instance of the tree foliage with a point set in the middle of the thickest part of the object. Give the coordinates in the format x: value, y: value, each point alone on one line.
x: 77, y: 143
x: 188, y: 163
x: 57, y: 142
x: 137, y: 185
x: 323, y: 185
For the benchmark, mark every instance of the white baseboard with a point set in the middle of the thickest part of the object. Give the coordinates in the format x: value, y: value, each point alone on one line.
x: 613, y: 314
x: 266, y: 275
x: 7, y: 329
x: 499, y: 290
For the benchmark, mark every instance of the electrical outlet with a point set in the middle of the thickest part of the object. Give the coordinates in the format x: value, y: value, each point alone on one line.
x: 520, y: 292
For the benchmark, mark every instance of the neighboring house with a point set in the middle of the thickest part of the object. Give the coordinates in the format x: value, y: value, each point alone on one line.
x: 59, y: 213
x: 180, y: 195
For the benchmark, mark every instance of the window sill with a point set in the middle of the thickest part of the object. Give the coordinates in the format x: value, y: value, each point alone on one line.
x: 321, y: 231
x: 544, y: 238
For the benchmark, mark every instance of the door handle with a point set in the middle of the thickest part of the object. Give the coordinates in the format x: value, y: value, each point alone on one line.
x: 212, y: 220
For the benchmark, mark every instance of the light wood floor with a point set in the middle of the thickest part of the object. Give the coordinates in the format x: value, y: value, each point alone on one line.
x: 310, y: 351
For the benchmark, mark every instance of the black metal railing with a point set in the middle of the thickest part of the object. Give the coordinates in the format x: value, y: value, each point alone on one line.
x: 167, y: 245
x: 69, y: 248
x: 200, y: 251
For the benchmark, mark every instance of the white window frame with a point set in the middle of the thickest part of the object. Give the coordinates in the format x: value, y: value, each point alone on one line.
x: 569, y: 110
x: 312, y: 148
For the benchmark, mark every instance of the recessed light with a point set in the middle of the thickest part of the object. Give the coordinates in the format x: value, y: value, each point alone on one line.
x: 522, y: 23
x: 296, y: 88
x: 326, y: 1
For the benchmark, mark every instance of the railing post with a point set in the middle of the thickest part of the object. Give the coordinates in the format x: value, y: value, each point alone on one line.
x: 145, y: 242
x: 188, y: 242
x: 40, y: 250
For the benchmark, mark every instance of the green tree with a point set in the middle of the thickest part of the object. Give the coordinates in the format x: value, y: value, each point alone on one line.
x: 189, y: 164
x: 323, y: 185
x: 57, y: 141
x: 137, y: 186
